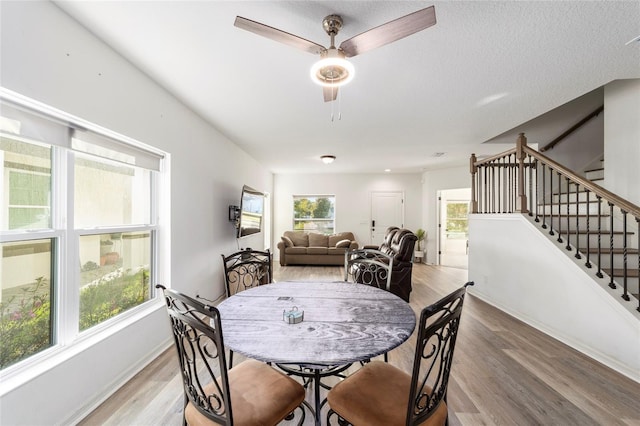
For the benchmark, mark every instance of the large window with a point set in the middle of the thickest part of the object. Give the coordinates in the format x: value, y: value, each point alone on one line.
x: 314, y: 213
x: 79, y: 231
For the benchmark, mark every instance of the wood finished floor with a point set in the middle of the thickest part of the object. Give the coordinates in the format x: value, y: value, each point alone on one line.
x: 504, y: 372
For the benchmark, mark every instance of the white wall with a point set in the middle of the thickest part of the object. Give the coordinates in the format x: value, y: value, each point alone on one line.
x: 434, y: 181
x: 539, y: 283
x: 353, y: 199
x: 622, y: 139
x: 582, y: 148
x: 47, y: 56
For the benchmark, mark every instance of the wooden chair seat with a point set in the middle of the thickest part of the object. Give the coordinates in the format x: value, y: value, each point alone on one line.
x: 260, y: 396
x: 383, y: 386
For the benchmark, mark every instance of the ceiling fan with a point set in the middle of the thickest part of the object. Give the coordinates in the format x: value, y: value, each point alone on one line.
x: 333, y: 70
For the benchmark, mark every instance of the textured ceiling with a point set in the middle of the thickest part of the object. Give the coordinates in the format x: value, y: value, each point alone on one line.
x: 482, y: 72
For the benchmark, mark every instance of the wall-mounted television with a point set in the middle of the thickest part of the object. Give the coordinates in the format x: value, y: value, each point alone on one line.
x: 251, y: 212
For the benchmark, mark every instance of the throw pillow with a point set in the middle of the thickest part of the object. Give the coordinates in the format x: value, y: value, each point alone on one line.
x: 343, y: 243
x: 318, y: 240
x: 287, y: 241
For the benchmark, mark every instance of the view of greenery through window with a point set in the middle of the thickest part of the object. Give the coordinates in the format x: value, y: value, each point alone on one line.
x: 115, y: 266
x: 457, y: 220
x: 314, y: 213
x: 119, y: 282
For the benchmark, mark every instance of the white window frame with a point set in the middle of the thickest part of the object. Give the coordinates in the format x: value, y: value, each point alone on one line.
x: 68, y: 340
x: 299, y: 196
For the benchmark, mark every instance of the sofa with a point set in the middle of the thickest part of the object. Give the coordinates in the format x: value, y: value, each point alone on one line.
x: 312, y: 248
x: 399, y: 243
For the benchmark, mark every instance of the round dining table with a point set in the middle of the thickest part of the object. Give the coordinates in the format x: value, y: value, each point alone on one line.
x: 340, y: 323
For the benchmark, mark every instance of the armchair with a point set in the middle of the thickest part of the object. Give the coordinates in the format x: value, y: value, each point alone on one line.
x: 399, y: 243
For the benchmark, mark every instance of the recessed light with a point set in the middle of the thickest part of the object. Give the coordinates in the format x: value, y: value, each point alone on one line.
x: 328, y: 159
x: 387, y: 170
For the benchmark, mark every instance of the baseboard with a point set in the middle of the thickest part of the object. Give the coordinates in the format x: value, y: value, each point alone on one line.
x: 567, y: 340
x: 117, y: 383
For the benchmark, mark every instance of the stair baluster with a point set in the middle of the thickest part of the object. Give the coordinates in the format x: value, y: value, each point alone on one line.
x: 551, y: 200
x: 578, y: 221
x: 532, y: 163
x: 544, y: 197
x: 625, y: 294
x: 599, y: 273
x: 612, y: 284
x: 559, y: 207
x: 568, y: 247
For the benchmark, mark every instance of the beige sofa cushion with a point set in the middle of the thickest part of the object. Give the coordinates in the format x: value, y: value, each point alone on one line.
x: 317, y: 250
x: 343, y: 243
x: 335, y: 238
x: 318, y: 240
x: 299, y: 238
x: 287, y: 241
x: 296, y: 250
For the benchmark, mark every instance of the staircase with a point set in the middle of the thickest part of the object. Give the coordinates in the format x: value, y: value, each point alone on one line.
x: 592, y: 224
x: 595, y: 232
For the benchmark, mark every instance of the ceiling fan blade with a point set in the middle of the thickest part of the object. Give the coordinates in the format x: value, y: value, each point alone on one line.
x: 278, y: 35
x: 389, y: 32
x: 330, y: 93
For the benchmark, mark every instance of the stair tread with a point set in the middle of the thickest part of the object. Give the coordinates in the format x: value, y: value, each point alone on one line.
x: 619, y: 272
x: 590, y: 201
x: 578, y: 215
x: 607, y: 250
x: 595, y: 170
x: 595, y: 232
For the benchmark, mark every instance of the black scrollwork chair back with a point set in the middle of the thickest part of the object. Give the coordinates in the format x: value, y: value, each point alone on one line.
x: 368, y: 266
x: 246, y: 269
x: 251, y: 393
x: 380, y: 394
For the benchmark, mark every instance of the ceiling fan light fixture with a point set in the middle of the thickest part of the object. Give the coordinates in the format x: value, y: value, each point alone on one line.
x: 332, y: 70
x: 328, y: 159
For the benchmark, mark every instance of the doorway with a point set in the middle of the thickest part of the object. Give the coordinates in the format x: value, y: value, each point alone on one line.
x: 387, y: 209
x: 453, y: 225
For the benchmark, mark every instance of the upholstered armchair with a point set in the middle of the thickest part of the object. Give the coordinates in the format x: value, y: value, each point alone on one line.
x: 399, y: 244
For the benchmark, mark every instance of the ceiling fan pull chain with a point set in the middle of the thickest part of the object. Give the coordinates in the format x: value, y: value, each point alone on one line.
x: 332, y: 94
x: 331, y: 111
x: 340, y: 106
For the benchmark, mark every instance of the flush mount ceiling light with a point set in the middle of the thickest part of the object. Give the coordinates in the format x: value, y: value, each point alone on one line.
x: 328, y: 159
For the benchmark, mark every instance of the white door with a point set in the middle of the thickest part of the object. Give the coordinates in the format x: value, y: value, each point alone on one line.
x: 454, y: 229
x: 387, y: 209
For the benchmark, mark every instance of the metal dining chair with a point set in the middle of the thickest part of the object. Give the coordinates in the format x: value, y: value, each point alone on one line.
x: 380, y: 394
x: 252, y: 393
x: 368, y: 266
x: 246, y: 269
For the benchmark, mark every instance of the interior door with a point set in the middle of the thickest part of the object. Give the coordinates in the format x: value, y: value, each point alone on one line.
x: 387, y: 209
x: 454, y: 227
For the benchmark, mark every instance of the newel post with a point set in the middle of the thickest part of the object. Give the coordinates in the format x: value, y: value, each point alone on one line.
x: 520, y: 155
x: 474, y: 198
